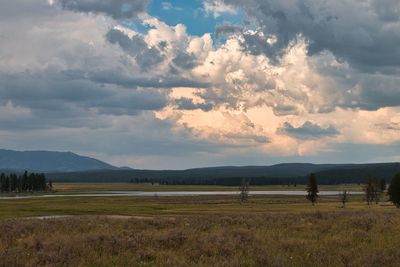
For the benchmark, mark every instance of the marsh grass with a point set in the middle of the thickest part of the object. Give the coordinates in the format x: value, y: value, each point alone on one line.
x: 198, y: 231
x: 341, y: 238
x: 165, y: 206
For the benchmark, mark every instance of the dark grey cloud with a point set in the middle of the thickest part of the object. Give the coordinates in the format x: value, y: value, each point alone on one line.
x: 387, y: 10
x: 258, y: 139
x: 363, y: 33
x: 185, y: 61
x: 130, y: 81
x: 227, y: 29
x: 118, y: 9
x: 355, y: 89
x: 185, y: 103
x: 131, y: 102
x: 26, y: 8
x: 257, y: 43
x: 56, y: 99
x: 308, y: 130
x: 378, y: 90
x: 283, y: 110
x: 135, y: 46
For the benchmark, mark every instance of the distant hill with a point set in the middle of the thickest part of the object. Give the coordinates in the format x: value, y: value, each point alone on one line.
x: 294, y: 173
x: 70, y: 167
x: 359, y: 172
x: 46, y: 161
x: 198, y: 175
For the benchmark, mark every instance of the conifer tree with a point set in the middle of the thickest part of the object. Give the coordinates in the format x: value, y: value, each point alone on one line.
x: 312, y: 188
x: 382, y: 185
x: 394, y: 190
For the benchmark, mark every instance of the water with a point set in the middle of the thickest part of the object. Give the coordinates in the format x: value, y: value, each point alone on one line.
x: 180, y: 193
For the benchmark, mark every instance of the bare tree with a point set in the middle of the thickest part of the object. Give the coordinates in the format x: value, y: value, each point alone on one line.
x: 370, y: 193
x: 377, y: 194
x: 373, y: 190
x: 344, y: 198
x: 243, y: 191
x: 379, y: 189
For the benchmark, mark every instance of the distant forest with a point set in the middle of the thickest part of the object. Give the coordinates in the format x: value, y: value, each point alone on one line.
x: 32, y: 182
x: 282, y: 174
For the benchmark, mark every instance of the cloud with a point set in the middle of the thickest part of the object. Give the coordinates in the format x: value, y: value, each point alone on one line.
x: 227, y: 29
x: 393, y: 126
x: 129, y: 81
x: 145, y: 56
x: 118, y: 9
x: 218, y: 126
x: 308, y: 130
x: 54, y: 99
x: 300, y: 78
x: 169, y: 6
x: 241, y: 81
x: 217, y: 8
x: 86, y: 66
x: 185, y: 103
x: 367, y: 39
x: 57, y: 77
x: 357, y: 89
x: 166, y: 5
x: 185, y: 60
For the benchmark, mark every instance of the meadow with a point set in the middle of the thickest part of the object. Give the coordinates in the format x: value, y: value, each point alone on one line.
x: 197, y: 230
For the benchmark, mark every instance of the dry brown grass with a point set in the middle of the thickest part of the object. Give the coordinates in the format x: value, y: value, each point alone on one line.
x: 341, y: 238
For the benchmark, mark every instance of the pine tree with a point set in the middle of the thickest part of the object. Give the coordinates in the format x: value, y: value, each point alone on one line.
x: 394, y: 190
x: 25, y: 181
x: 2, y: 182
x: 382, y: 185
x: 312, y: 189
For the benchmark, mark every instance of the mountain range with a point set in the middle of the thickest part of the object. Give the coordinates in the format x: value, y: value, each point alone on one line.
x: 70, y: 167
x: 49, y: 161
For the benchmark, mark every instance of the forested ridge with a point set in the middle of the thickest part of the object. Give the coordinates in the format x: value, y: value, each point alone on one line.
x: 258, y: 175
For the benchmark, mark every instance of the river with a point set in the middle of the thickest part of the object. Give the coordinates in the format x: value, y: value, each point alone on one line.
x: 176, y: 193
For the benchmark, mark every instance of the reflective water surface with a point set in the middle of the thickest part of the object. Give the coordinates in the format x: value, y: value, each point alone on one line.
x: 179, y: 193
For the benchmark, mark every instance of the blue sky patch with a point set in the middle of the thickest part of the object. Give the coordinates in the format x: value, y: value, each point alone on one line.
x: 192, y: 15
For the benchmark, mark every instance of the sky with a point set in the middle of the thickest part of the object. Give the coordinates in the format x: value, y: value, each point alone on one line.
x: 179, y: 84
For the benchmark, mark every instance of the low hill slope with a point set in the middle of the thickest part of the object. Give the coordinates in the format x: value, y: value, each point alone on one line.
x: 47, y: 161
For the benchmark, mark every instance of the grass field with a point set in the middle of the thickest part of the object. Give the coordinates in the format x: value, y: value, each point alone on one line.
x: 197, y: 230
x: 167, y: 206
x: 340, y: 238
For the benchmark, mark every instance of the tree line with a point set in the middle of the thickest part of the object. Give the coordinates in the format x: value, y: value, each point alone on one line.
x: 27, y: 182
x: 373, y: 190
x: 232, y: 176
